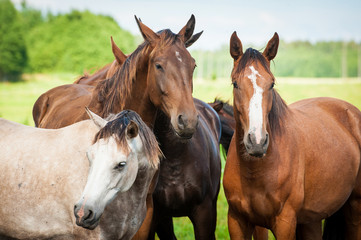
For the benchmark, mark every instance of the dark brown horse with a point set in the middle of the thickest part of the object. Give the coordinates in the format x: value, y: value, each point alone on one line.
x: 289, y: 167
x: 189, y: 177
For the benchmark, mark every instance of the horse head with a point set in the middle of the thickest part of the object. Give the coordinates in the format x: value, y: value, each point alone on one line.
x: 170, y: 75
x: 121, y: 147
x: 253, y: 92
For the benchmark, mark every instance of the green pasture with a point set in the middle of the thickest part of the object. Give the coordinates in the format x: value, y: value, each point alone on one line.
x: 17, y: 99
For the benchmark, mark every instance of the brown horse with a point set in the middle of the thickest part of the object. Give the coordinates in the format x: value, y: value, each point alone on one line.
x: 147, y: 82
x: 289, y: 167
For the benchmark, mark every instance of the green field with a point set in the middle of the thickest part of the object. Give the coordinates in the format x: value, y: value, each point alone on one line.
x: 17, y: 99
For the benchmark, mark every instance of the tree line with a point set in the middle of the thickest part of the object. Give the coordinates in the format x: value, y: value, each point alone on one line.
x: 79, y: 41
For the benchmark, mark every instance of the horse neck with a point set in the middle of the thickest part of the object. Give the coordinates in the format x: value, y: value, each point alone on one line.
x: 170, y: 144
x: 131, y: 202
x: 137, y: 100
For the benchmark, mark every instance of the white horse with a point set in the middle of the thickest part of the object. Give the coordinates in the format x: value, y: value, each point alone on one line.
x: 43, y: 173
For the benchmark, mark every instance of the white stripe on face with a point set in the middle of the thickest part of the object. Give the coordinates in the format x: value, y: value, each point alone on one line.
x: 255, y: 107
x: 178, y: 56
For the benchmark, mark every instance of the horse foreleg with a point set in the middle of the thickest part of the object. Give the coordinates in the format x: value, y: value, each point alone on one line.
x: 204, y: 218
x: 285, y: 225
x: 239, y: 228
x: 352, y: 216
x: 260, y: 233
x: 164, y: 228
x: 309, y: 231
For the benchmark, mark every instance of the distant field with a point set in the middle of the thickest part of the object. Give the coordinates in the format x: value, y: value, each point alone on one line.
x: 17, y: 99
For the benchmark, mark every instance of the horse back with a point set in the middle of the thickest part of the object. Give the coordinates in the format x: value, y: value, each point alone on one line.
x: 62, y: 106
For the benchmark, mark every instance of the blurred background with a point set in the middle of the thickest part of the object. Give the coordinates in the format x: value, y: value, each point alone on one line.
x: 46, y: 43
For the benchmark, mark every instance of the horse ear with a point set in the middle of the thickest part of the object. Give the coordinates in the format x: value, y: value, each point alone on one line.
x: 217, y: 106
x: 186, y: 32
x: 272, y: 46
x: 118, y: 54
x: 147, y: 33
x: 132, y: 130
x: 236, y: 49
x: 193, y: 39
x: 98, y: 121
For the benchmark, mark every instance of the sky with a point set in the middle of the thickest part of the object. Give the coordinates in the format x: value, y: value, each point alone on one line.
x: 254, y: 21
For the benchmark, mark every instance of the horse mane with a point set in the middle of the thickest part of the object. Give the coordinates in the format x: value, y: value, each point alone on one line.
x: 117, y: 126
x: 279, y: 106
x: 112, y: 92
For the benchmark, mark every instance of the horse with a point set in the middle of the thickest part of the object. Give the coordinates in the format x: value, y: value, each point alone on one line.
x: 189, y: 176
x: 44, y: 172
x: 289, y: 166
x: 226, y: 115
x: 157, y: 76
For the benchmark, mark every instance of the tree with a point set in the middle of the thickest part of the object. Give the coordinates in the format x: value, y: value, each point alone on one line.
x: 13, y: 55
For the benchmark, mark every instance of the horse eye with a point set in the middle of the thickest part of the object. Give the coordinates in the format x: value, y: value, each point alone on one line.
x: 272, y: 85
x: 158, y: 66
x: 235, y: 85
x: 120, y: 165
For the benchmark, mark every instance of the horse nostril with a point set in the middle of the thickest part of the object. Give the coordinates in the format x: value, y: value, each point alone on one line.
x: 181, y: 122
x: 89, y: 216
x: 249, y: 138
x: 266, y: 139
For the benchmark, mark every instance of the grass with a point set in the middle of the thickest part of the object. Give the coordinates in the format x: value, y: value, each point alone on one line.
x: 17, y: 99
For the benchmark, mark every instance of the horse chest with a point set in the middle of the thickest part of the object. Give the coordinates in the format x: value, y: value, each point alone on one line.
x: 176, y: 189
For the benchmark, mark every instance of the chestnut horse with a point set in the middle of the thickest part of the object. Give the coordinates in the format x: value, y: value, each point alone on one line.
x: 44, y: 172
x: 148, y: 81
x: 289, y: 167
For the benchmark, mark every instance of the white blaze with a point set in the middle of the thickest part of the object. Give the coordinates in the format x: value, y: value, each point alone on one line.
x: 255, y: 107
x: 178, y: 56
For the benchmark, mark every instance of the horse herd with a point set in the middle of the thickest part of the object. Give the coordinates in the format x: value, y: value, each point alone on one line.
x: 150, y: 152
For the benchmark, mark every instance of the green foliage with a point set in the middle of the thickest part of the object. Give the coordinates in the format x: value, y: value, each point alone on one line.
x: 13, y: 55
x: 75, y: 42
x: 30, y: 17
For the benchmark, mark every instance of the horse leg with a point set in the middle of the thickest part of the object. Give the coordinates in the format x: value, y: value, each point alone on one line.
x: 310, y: 231
x: 285, y: 225
x: 204, y: 218
x: 352, y: 212
x: 239, y: 228
x: 164, y: 228
x: 260, y: 233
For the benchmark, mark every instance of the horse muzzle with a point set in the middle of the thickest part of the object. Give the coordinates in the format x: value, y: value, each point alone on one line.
x: 86, y: 217
x: 185, y: 127
x: 256, y: 148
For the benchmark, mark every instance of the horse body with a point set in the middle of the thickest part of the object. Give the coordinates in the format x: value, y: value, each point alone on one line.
x: 62, y: 106
x: 40, y: 186
x: 189, y: 175
x: 301, y: 166
x: 33, y: 183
